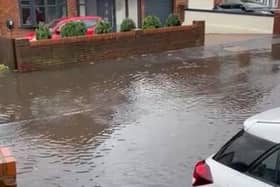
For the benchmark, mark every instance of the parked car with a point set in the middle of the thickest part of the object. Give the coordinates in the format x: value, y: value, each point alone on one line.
x: 56, y: 25
x: 244, y: 7
x: 251, y: 158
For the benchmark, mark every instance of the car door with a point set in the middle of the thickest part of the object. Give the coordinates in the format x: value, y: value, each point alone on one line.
x: 90, y: 24
x: 264, y: 173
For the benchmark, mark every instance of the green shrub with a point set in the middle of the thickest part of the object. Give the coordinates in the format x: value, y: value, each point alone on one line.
x: 42, y: 32
x: 151, y: 22
x: 127, y: 25
x: 172, y: 20
x: 73, y: 29
x: 102, y: 27
x: 3, y: 67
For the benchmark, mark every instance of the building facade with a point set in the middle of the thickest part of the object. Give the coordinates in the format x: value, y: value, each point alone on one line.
x: 26, y: 14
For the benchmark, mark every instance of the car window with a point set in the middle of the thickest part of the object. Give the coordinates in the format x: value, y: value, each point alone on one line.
x: 268, y: 169
x: 240, y: 152
x: 64, y: 23
x: 89, y: 22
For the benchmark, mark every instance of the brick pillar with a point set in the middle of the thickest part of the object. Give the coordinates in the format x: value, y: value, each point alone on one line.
x: 276, y: 25
x: 72, y: 8
x: 8, y: 168
x: 217, y: 2
x: 179, y: 9
x: 8, y: 10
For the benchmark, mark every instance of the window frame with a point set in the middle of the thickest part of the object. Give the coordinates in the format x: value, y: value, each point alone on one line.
x: 259, y: 161
x: 59, y: 4
x: 255, y: 163
x: 81, y: 4
x: 21, y: 7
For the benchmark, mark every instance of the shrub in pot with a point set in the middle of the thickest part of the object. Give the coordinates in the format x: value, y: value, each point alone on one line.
x: 73, y: 29
x: 172, y: 20
x: 127, y: 25
x: 102, y: 27
x: 42, y: 32
x: 151, y: 22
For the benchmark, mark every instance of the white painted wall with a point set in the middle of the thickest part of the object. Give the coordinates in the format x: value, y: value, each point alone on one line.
x: 120, y: 12
x: 231, y: 23
x: 201, y: 4
x: 133, y: 10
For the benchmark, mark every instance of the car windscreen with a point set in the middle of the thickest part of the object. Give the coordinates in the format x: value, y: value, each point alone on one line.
x: 241, y: 151
x: 89, y: 22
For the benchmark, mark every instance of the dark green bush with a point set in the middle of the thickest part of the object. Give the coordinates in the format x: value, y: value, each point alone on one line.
x: 102, y: 27
x: 42, y: 32
x: 127, y: 25
x: 172, y: 20
x: 73, y: 29
x: 151, y: 22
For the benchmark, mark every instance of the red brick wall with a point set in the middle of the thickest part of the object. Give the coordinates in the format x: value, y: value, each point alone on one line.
x: 216, y: 2
x: 7, y: 55
x: 276, y: 26
x: 180, y: 6
x: 42, y: 54
x: 9, y: 10
x: 72, y: 8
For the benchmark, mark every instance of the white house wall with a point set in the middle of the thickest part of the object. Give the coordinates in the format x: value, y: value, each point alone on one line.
x: 201, y: 4
x: 133, y: 10
x: 231, y: 23
x: 120, y: 12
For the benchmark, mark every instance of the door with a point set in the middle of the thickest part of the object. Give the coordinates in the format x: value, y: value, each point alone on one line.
x: 106, y: 10
x: 159, y: 8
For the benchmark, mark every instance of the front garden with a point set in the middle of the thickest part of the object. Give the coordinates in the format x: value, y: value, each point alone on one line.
x: 72, y: 29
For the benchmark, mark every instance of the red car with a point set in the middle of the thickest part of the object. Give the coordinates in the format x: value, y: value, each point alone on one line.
x: 56, y: 25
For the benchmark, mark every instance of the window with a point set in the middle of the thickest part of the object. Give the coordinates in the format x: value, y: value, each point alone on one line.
x: 35, y: 11
x: 89, y: 22
x: 242, y: 151
x: 268, y: 169
x: 82, y: 7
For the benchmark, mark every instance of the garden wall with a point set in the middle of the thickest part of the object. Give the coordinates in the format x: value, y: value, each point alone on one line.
x: 42, y: 54
x: 7, y: 53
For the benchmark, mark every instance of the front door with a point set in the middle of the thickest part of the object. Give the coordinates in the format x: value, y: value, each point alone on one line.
x: 106, y: 10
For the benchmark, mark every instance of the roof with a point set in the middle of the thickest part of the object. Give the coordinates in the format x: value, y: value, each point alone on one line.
x: 265, y: 125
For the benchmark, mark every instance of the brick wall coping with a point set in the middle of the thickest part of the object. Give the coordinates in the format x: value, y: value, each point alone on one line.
x: 115, y: 36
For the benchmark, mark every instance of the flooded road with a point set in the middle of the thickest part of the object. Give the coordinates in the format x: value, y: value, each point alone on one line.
x: 135, y: 122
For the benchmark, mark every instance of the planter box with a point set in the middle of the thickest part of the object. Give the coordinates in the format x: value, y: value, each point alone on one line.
x: 44, y: 53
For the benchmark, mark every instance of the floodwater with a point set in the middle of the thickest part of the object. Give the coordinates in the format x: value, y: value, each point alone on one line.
x: 136, y: 122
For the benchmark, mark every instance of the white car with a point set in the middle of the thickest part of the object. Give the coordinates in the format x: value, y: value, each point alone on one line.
x: 250, y: 159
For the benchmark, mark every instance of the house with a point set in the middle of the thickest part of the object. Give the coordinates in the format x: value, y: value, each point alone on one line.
x: 240, y: 21
x: 26, y: 14
x: 209, y: 4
